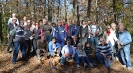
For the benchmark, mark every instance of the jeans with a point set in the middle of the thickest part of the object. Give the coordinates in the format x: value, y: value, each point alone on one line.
x: 94, y: 40
x: 63, y: 59
x: 48, y: 38
x: 101, y: 59
x: 53, y: 53
x: 61, y: 40
x: 28, y: 47
x: 84, y: 59
x: 125, y: 55
x: 10, y: 42
x: 19, y: 46
x: 89, y: 40
x: 34, y: 46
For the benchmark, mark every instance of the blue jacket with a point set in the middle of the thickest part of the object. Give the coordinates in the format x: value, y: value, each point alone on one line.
x: 73, y: 30
x: 125, y: 38
x: 50, y: 46
x: 60, y: 34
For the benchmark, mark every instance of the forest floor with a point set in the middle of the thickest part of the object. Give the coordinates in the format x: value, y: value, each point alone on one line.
x: 33, y: 66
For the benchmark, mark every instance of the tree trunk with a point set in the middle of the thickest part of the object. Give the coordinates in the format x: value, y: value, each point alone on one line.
x: 88, y: 8
x: 114, y: 8
x: 78, y: 13
x: 65, y: 9
x: 0, y: 24
x: 74, y: 3
x: 58, y: 9
x: 49, y: 10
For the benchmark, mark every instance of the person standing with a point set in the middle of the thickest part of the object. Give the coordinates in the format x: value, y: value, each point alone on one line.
x: 73, y: 29
x: 83, y: 33
x: 65, y: 25
x: 60, y: 34
x: 46, y: 30
x: 19, y: 42
x: 110, y: 38
x: 11, y: 19
x: 94, y: 32
x: 124, y: 41
x: 114, y: 30
x: 36, y: 37
x: 11, y: 26
x: 25, y: 20
x: 28, y: 33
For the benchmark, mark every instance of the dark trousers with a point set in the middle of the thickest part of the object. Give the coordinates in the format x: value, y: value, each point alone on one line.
x: 19, y: 46
x: 28, y: 47
x: 34, y: 46
x: 10, y: 42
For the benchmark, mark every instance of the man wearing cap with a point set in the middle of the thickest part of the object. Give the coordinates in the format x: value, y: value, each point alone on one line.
x: 9, y: 33
x: 10, y: 20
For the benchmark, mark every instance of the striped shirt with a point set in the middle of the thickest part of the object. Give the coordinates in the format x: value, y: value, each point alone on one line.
x: 106, y: 49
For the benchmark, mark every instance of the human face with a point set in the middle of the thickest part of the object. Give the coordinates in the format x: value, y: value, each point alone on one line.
x: 102, y: 41
x: 79, y: 46
x: 121, y: 28
x: 53, y: 40
x: 59, y: 23
x: 25, y: 18
x: 68, y: 43
x: 88, y: 45
x: 44, y: 21
x: 73, y: 22
x: 28, y: 22
x: 14, y: 21
x: 42, y: 38
x: 21, y: 23
x: 89, y: 22
x: 113, y: 27
x: 84, y: 22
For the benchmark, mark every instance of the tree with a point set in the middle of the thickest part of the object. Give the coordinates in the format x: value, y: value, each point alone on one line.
x: 50, y: 10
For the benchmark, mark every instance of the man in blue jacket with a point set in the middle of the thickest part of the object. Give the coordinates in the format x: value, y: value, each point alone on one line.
x: 60, y: 33
x: 54, y: 47
x: 73, y: 29
x: 124, y: 41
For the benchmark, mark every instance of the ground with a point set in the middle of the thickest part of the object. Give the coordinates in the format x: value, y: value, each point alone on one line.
x: 33, y: 66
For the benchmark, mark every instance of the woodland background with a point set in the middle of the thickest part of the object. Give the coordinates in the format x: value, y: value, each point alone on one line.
x: 103, y: 11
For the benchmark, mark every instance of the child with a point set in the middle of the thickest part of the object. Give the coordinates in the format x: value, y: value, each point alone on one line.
x: 82, y: 56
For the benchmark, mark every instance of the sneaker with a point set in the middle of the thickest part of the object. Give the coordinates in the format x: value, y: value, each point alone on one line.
x: 85, y: 65
x: 78, y: 65
x: 117, y: 59
x: 91, y: 65
x: 124, y: 66
x: 129, y: 68
x: 13, y: 62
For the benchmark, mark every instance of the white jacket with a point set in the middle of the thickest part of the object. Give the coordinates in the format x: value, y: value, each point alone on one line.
x: 112, y: 38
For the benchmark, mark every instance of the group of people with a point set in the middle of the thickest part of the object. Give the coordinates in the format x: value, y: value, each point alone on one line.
x: 85, y: 43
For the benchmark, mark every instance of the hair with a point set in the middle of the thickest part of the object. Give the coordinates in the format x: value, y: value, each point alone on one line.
x: 64, y: 19
x: 86, y: 44
x: 53, y: 23
x: 82, y: 21
x: 113, y: 24
x: 79, y: 44
x: 53, y: 38
x: 40, y: 21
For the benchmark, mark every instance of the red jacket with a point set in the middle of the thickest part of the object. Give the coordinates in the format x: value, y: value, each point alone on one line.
x: 66, y: 28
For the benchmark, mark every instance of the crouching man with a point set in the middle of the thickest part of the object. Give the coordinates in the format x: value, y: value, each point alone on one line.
x: 42, y: 47
x: 19, y: 42
x: 68, y: 51
x: 104, y: 52
x: 54, y: 47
